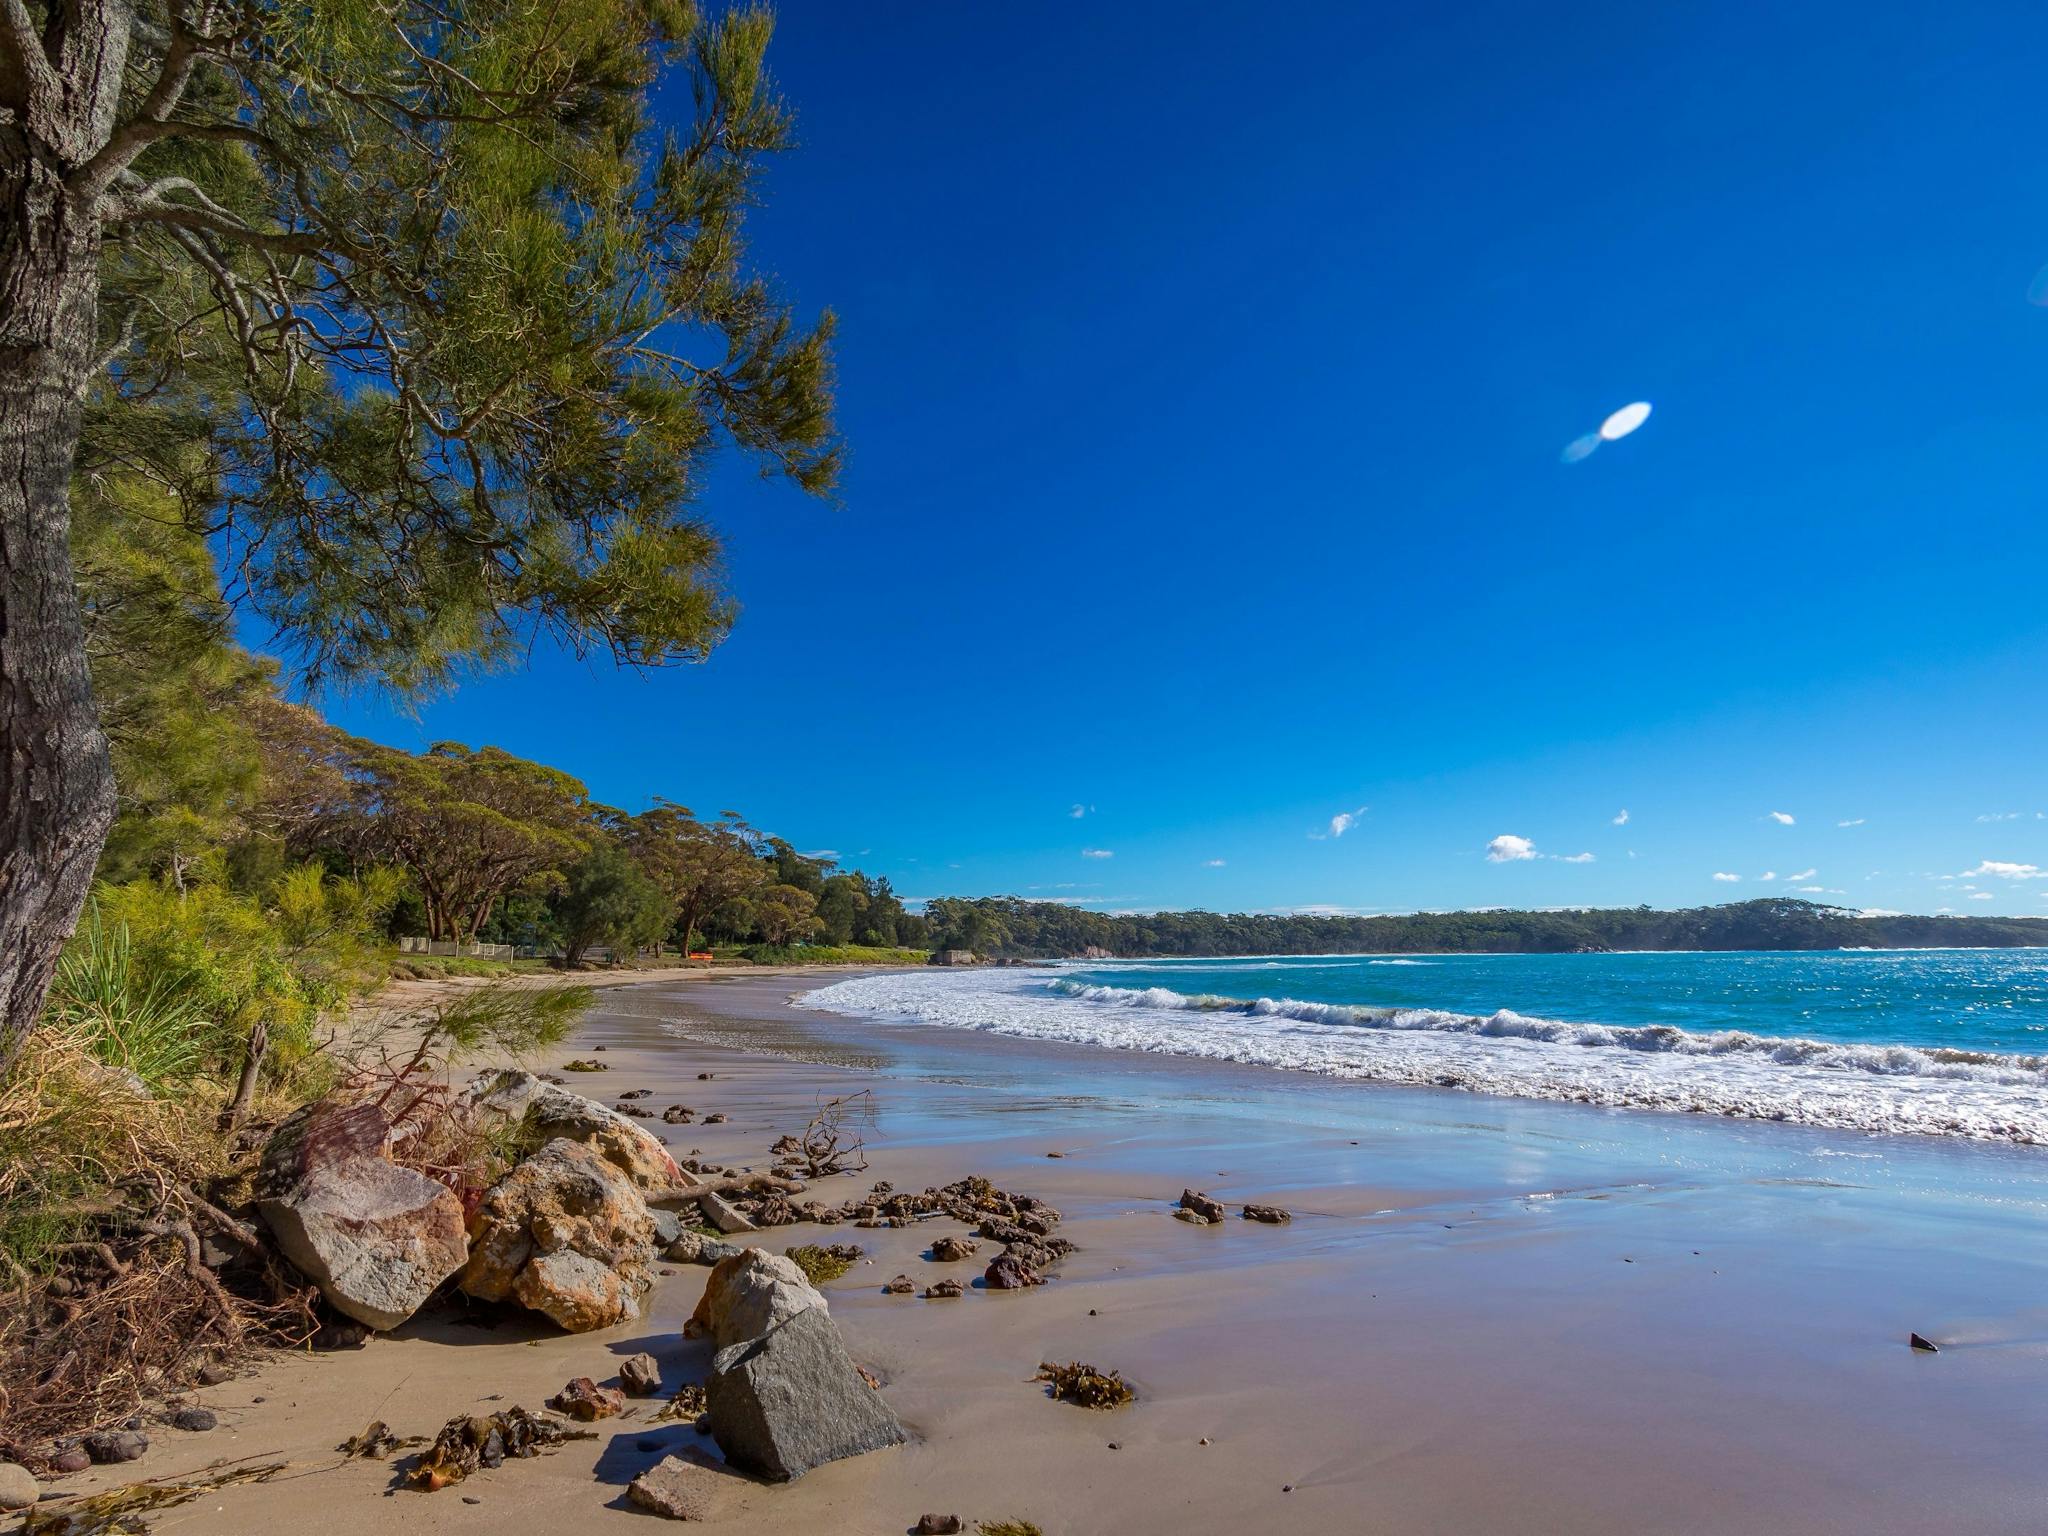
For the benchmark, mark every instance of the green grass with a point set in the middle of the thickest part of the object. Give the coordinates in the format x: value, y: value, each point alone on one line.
x: 436, y: 967
x: 825, y: 954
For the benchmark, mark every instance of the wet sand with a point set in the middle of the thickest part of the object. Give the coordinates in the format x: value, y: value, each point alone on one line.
x: 1487, y: 1314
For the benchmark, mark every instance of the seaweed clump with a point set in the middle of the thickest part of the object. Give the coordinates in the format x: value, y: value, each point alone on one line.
x: 820, y: 1263
x: 1084, y: 1384
x: 486, y: 1440
x: 1007, y: 1528
x: 120, y: 1510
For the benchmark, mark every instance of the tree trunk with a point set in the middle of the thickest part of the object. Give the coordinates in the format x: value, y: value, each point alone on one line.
x: 252, y: 1074
x: 56, y: 783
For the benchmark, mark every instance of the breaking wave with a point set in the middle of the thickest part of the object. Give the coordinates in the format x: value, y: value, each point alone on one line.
x: 1859, y: 1086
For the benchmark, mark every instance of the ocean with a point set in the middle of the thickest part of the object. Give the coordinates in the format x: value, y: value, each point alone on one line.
x: 1921, y: 1042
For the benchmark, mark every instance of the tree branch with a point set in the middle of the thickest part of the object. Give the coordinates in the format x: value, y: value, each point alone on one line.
x: 26, y: 72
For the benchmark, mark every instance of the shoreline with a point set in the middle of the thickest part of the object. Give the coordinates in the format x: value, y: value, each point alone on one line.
x: 1487, y: 1313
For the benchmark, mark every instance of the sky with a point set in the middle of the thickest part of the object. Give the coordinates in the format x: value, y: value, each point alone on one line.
x: 1207, y: 538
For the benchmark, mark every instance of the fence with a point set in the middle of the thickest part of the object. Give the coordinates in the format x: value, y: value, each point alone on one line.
x: 450, y: 947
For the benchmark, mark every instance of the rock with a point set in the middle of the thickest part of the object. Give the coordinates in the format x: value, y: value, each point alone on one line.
x: 1195, y: 1218
x: 1272, y: 1215
x: 549, y: 1113
x: 18, y: 1489
x: 714, y: 1119
x: 704, y: 1077
x: 1201, y: 1205
x: 585, y: 1400
x: 749, y: 1294
x: 676, y: 1114
x: 565, y: 1233
x: 376, y: 1238
x: 722, y: 1214
x: 696, y: 1248
x: 938, y: 1525
x: 951, y: 1250
x: 116, y: 1445
x: 640, y: 1375
x: 1010, y: 1273
x: 72, y: 1458
x: 902, y: 1285
x: 791, y: 1400
x: 944, y: 1290
x: 1928, y: 1345
x: 213, y: 1373
x: 684, y: 1487
x: 1039, y: 1222
x: 195, y: 1420
x: 668, y: 1227
x: 1035, y: 1255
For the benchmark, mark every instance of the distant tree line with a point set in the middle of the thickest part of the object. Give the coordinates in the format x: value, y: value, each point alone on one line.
x: 1009, y: 927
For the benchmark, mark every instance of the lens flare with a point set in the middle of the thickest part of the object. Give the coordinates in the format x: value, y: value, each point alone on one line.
x: 1579, y: 447
x: 1625, y: 421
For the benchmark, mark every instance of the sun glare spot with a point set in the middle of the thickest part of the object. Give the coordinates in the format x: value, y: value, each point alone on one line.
x: 1625, y: 421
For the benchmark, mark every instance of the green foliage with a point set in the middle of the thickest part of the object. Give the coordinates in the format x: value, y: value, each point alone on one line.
x: 1009, y: 926
x: 607, y: 901
x: 149, y: 1025
x: 230, y: 960
x: 439, y: 328
x: 821, y: 1264
x: 511, y: 1021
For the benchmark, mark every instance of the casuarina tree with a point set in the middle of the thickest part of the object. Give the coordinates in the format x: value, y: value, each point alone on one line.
x: 424, y: 314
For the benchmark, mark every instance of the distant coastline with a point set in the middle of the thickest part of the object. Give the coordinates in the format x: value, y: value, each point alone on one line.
x: 1011, y: 928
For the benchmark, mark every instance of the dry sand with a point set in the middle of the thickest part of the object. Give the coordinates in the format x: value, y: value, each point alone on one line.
x: 1486, y: 1316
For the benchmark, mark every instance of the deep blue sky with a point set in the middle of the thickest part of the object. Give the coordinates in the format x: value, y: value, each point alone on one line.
x: 1206, y: 374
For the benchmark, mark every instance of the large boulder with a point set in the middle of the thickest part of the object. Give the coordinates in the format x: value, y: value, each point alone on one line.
x: 748, y: 1294
x: 375, y: 1237
x: 565, y: 1233
x: 792, y: 1400
x: 548, y: 1112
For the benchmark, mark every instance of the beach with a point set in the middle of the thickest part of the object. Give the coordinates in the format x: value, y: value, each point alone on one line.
x: 1486, y: 1313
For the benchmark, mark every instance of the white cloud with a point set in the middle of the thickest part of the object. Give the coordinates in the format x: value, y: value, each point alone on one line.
x: 1782, y: 818
x: 1982, y: 896
x: 1725, y: 878
x: 1804, y: 874
x: 1573, y: 858
x: 1509, y: 849
x: 1212, y: 863
x: 830, y: 855
x: 1879, y: 912
x: 1621, y: 818
x: 2003, y: 870
x: 1098, y: 853
x: 2000, y: 816
x: 1344, y: 821
x: 1769, y: 874
x: 1854, y: 821
x: 1081, y: 810
x: 1324, y: 909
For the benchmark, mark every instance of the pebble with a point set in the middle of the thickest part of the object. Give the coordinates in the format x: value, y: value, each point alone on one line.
x: 195, y: 1420
x: 1928, y: 1345
x: 18, y: 1489
x: 470, y: 1498
x: 116, y: 1445
x: 938, y: 1525
x: 71, y: 1459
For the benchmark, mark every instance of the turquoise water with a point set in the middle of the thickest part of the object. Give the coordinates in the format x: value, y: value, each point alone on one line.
x: 1931, y: 1042
x: 1970, y: 1000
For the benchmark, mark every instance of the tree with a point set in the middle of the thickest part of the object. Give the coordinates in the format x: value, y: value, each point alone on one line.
x: 470, y: 827
x: 607, y: 900
x: 414, y: 313
x: 784, y: 914
x: 701, y: 866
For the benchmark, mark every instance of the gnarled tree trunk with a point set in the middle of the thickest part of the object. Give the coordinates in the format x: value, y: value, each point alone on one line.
x: 56, y: 783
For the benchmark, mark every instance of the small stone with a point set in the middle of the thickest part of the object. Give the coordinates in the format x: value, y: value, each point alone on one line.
x: 1010, y: 1273
x: 951, y: 1250
x: 944, y: 1290
x: 195, y: 1420
x: 71, y: 1459
x: 1193, y: 1218
x: 213, y: 1373
x: 18, y: 1489
x: 938, y: 1525
x: 1055, y: 1154
x: 677, y: 1114
x: 1202, y: 1205
x: 703, y: 1077
x: 714, y: 1119
x: 470, y: 1498
x: 640, y: 1375
x: 1115, y: 1445
x: 1272, y: 1215
x: 1203, y: 1441
x: 584, y: 1399
x: 116, y: 1445
x: 1920, y: 1343
x: 902, y: 1285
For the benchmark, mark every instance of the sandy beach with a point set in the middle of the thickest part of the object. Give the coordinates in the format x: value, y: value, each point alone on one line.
x: 1486, y: 1314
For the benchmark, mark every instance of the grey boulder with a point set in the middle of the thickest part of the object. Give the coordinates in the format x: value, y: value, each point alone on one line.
x: 792, y: 1400
x: 376, y: 1238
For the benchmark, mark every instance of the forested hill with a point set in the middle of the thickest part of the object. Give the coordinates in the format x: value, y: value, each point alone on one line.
x: 1006, y: 926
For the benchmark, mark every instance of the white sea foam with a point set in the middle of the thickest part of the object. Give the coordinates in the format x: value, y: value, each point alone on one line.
x: 1892, y: 1088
